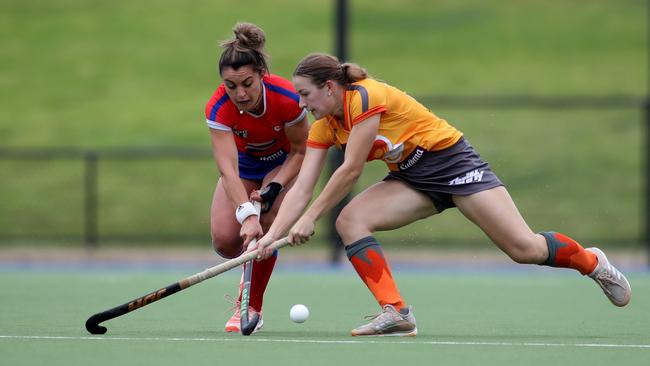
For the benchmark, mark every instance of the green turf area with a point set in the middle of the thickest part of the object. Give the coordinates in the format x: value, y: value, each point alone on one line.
x: 120, y: 74
x: 487, y: 318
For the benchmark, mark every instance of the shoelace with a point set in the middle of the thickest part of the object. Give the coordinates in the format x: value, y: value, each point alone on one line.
x: 235, y: 303
x: 379, y: 321
x: 388, y: 313
x: 372, y: 317
x: 609, y: 275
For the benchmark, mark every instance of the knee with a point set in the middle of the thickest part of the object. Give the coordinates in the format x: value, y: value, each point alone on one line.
x: 527, y: 251
x: 346, y: 221
x: 227, y: 247
x: 341, y: 223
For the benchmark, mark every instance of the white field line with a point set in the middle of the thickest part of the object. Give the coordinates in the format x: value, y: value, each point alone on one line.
x: 360, y: 341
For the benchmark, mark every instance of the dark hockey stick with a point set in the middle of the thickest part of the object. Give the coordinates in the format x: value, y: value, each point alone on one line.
x: 246, y: 324
x: 92, y: 324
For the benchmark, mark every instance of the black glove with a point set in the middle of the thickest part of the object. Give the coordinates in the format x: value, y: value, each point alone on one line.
x: 269, y: 194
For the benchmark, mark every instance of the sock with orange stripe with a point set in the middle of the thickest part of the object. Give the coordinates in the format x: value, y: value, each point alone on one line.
x: 260, y: 277
x: 368, y: 260
x: 567, y: 253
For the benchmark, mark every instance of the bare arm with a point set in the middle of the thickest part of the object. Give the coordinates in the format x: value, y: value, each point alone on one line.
x: 297, y: 136
x: 224, y: 151
x: 225, y: 155
x: 344, y: 178
x: 339, y: 185
x: 300, y: 194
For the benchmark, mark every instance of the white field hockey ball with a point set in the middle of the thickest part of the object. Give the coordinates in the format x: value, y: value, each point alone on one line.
x: 299, y: 313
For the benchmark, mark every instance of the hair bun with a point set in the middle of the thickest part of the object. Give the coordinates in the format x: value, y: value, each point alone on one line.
x: 249, y: 35
x: 245, y: 48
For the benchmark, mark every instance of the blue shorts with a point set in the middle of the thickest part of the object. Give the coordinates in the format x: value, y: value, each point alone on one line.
x: 256, y: 167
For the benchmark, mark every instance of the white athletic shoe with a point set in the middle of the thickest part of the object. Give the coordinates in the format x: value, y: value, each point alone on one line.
x: 389, y: 322
x: 613, y: 282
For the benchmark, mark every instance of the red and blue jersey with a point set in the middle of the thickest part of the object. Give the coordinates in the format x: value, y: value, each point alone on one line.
x: 261, y: 136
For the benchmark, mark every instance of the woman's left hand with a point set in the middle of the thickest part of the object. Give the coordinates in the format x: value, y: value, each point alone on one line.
x: 301, y: 232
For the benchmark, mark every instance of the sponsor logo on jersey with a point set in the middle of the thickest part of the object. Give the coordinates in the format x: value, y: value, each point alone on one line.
x: 277, y: 128
x: 240, y: 133
x: 471, y: 177
x: 273, y: 156
x: 414, y: 158
x: 384, y: 149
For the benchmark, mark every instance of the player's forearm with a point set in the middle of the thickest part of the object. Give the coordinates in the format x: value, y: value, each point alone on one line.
x: 293, y: 206
x: 234, y: 188
x: 290, y: 168
x: 224, y: 152
x: 338, y: 186
x: 345, y: 177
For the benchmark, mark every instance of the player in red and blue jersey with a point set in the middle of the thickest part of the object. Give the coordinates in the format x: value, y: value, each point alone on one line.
x: 258, y: 133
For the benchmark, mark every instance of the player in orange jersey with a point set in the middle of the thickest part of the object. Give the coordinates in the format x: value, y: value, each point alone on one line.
x: 258, y: 133
x: 432, y: 168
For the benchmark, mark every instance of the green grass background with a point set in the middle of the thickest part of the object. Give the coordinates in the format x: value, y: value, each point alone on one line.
x: 123, y: 74
x: 531, y: 307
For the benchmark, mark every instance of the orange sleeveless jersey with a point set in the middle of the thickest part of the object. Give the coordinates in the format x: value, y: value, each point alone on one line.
x: 404, y: 123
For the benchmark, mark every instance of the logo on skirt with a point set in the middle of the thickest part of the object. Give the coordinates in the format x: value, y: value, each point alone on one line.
x: 471, y: 177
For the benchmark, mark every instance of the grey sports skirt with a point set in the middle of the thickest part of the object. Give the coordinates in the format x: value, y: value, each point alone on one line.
x: 456, y: 170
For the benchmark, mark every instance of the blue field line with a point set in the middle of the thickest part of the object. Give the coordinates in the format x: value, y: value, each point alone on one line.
x: 307, y: 267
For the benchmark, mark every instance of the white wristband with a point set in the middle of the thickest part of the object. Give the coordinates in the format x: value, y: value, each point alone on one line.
x: 244, y: 210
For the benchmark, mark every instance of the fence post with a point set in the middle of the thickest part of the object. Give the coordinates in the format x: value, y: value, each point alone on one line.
x: 336, y: 156
x: 91, y: 237
x: 646, y: 155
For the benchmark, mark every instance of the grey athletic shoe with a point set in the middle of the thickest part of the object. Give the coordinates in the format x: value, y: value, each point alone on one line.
x: 613, y: 282
x: 389, y: 322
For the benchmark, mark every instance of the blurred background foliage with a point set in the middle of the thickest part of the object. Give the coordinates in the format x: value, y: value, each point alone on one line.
x: 123, y: 74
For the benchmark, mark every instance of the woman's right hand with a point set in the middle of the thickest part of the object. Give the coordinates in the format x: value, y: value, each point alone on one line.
x: 250, y: 229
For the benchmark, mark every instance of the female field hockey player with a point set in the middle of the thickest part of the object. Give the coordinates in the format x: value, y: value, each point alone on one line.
x: 258, y: 133
x: 432, y: 168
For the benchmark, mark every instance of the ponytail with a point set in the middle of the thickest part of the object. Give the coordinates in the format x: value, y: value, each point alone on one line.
x: 320, y: 67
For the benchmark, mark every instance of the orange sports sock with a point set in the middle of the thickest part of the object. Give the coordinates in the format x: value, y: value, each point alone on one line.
x: 567, y: 253
x: 368, y: 260
x: 260, y: 277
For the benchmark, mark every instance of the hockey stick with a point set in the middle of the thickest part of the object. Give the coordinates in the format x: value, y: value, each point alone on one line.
x: 92, y: 324
x: 246, y: 325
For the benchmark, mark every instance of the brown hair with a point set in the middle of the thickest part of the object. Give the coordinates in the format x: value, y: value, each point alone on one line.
x: 247, y: 48
x: 320, y: 67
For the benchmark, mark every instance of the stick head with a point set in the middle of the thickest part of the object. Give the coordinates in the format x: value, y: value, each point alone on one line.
x: 248, y: 326
x: 93, y: 327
